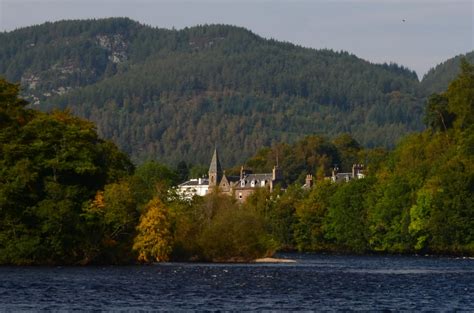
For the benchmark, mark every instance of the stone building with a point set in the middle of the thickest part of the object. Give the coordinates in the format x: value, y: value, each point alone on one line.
x: 239, y: 187
x: 357, y: 173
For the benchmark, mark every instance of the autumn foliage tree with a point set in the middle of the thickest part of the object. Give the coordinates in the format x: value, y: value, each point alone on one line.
x: 153, y: 242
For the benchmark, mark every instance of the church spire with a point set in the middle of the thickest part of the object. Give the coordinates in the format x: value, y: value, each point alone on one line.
x: 215, y: 169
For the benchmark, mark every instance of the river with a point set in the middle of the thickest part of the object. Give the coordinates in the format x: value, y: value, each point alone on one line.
x: 314, y: 282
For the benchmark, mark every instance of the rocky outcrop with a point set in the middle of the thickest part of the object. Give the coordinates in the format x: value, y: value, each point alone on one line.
x: 116, y: 45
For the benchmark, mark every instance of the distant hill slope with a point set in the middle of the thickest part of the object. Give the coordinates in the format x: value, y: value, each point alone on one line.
x: 437, y: 79
x: 173, y: 94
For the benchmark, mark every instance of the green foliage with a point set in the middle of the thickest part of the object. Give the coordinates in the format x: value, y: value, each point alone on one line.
x: 452, y: 217
x: 437, y: 116
x: 345, y: 223
x: 187, y: 224
x: 216, y: 228
x: 389, y: 215
x: 309, y: 231
x: 455, y: 107
x: 460, y: 96
x: 111, y: 218
x: 281, y: 219
x: 152, y: 179
x: 235, y: 234
x: 419, y: 219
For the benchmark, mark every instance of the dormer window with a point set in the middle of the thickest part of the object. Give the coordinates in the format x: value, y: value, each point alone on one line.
x: 242, y: 183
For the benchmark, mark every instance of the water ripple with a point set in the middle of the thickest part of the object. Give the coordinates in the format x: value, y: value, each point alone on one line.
x: 315, y: 282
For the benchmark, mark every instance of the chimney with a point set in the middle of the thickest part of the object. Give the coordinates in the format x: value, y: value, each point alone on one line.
x: 354, y: 168
x: 275, y: 173
x: 242, y: 172
x: 309, y: 181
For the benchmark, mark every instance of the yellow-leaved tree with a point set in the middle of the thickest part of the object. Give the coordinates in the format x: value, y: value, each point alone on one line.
x: 154, y: 240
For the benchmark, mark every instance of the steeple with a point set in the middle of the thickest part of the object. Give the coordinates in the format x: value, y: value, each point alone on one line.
x: 215, y: 170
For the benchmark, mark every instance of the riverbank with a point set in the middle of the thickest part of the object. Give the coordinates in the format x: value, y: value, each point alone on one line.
x: 274, y: 260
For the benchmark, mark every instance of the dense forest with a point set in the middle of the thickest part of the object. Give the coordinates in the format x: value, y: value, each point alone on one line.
x: 172, y: 95
x: 69, y: 197
x: 438, y: 78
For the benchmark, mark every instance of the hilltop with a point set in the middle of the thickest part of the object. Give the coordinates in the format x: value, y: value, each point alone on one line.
x: 438, y: 78
x: 173, y: 94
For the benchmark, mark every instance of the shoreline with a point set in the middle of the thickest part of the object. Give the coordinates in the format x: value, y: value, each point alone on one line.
x: 266, y: 260
x: 274, y: 260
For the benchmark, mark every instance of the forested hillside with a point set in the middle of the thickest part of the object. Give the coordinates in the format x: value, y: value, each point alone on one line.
x: 172, y: 94
x: 438, y: 78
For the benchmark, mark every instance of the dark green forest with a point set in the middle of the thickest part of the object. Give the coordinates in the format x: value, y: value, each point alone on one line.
x: 69, y: 197
x: 172, y: 95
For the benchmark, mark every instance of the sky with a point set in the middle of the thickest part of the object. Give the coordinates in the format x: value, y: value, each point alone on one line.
x: 418, y: 34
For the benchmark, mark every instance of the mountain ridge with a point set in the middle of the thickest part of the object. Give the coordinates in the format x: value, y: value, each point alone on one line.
x: 171, y: 94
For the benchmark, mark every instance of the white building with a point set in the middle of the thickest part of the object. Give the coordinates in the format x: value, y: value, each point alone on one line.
x: 194, y: 187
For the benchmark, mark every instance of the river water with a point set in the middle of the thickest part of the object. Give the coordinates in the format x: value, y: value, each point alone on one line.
x: 315, y: 282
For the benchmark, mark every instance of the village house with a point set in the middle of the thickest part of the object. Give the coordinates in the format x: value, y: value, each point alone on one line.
x: 357, y: 173
x: 239, y: 187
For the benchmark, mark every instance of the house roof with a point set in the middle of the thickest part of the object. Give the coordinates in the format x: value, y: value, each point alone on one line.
x: 257, y: 178
x: 233, y: 178
x: 195, y: 182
